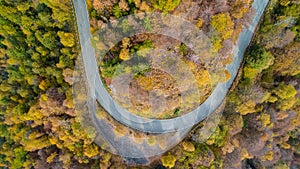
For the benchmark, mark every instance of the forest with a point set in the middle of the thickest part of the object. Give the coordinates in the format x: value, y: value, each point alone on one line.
x: 38, y: 47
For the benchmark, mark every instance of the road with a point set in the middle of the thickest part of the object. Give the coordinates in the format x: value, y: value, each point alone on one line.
x: 154, y: 125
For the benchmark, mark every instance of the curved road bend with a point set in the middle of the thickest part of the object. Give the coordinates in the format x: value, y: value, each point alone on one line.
x: 155, y: 125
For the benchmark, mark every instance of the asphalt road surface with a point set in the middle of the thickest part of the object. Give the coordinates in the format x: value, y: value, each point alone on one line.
x: 154, y: 125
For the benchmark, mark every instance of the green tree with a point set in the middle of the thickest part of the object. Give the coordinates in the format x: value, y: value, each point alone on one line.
x: 117, y: 11
x: 19, y: 158
x: 48, y: 39
x: 257, y: 60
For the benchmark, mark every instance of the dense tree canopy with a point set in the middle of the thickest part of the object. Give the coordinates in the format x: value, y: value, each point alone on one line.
x: 38, y: 125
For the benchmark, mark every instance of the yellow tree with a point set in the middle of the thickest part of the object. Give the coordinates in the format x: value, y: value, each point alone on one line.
x: 223, y: 24
x: 166, y: 5
x: 168, y: 161
x: 67, y: 39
